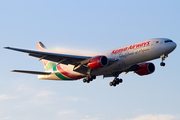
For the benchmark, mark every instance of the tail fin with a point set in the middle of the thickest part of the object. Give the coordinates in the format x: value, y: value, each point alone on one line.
x: 47, y: 64
x: 40, y: 46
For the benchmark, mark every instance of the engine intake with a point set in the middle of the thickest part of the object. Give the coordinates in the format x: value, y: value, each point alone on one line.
x: 98, y: 62
x: 145, y: 69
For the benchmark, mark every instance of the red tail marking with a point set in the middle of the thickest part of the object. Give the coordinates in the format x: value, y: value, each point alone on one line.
x: 39, y: 46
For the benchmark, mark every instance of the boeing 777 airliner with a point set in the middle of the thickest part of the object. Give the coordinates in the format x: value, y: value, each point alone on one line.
x: 108, y: 64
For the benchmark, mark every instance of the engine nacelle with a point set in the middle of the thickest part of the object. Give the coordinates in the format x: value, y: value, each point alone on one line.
x: 145, y: 69
x: 98, y: 62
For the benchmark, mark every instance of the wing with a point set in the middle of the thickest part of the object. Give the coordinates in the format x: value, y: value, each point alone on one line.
x: 55, y: 57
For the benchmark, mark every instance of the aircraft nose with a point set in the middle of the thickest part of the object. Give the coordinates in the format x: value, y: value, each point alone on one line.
x: 170, y: 47
x: 174, y: 45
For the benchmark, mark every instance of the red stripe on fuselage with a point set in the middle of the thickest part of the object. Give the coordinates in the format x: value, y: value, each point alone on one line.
x: 69, y: 75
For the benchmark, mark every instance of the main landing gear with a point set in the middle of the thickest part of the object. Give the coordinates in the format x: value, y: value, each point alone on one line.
x: 115, y: 82
x: 162, y: 64
x: 89, y: 78
x: 163, y: 58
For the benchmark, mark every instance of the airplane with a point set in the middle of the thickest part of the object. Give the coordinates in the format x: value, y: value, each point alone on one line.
x: 131, y: 58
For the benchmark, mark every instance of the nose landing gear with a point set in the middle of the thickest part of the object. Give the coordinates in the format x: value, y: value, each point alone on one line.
x: 115, y: 82
x: 163, y: 58
x: 162, y: 64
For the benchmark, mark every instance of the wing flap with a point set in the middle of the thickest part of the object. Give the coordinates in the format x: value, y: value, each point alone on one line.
x: 32, y: 72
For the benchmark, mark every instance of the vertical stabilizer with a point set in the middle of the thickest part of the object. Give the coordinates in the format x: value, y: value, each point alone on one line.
x: 40, y: 46
x: 47, y: 64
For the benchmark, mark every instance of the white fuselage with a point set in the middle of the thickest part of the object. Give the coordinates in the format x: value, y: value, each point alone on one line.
x: 130, y: 55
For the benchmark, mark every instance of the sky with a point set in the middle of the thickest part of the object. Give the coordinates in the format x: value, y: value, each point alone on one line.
x: 85, y: 27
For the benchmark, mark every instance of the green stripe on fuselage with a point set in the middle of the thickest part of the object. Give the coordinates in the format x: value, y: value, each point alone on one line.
x: 59, y: 75
x: 49, y: 65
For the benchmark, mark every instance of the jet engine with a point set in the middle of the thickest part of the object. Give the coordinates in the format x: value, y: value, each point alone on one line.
x: 145, y: 69
x: 98, y: 62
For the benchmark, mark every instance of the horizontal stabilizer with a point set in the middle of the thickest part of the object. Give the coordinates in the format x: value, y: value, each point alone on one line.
x: 32, y: 72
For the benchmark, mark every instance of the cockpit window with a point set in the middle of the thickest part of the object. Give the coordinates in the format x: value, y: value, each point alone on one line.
x: 168, y: 41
